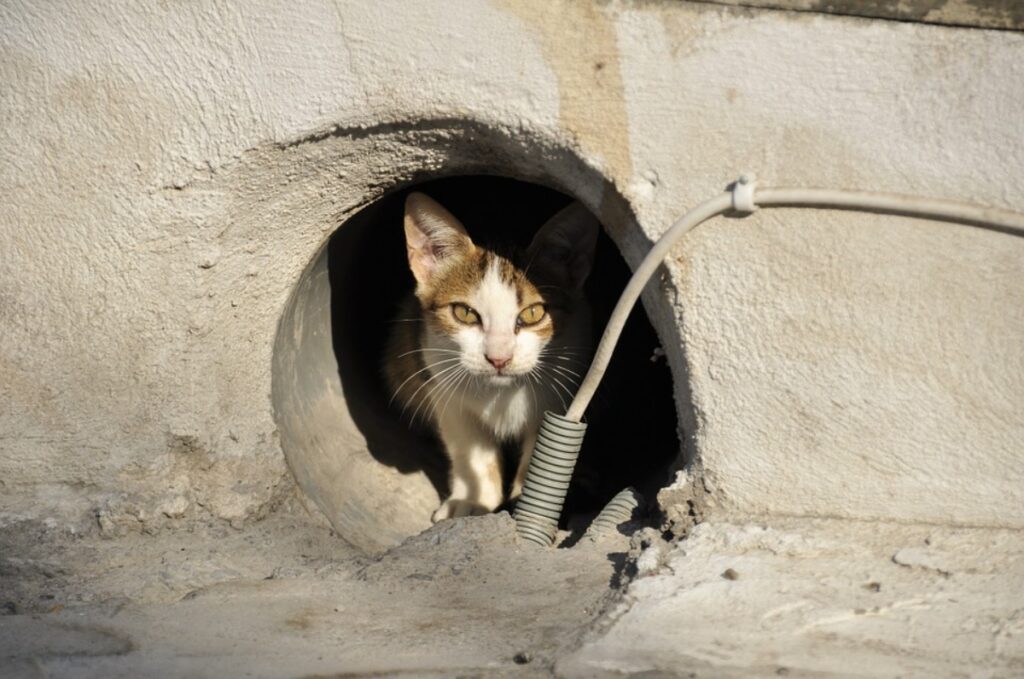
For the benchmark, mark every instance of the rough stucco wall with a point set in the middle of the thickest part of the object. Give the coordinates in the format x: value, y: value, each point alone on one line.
x: 843, y: 363
x: 156, y: 215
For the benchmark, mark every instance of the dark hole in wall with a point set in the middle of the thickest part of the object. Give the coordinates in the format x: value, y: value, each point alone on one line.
x: 632, y: 435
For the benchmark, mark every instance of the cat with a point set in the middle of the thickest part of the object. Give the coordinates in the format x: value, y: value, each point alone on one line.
x: 487, y: 343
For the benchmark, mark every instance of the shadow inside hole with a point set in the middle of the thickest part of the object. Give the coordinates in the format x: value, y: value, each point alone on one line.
x: 631, y: 438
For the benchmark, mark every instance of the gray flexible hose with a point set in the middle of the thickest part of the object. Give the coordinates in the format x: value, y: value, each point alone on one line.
x: 618, y: 511
x: 547, y: 478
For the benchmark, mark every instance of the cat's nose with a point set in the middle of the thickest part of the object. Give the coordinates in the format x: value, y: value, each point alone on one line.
x: 499, y: 363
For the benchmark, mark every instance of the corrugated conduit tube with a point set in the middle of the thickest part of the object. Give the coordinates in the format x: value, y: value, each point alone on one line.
x: 561, y: 436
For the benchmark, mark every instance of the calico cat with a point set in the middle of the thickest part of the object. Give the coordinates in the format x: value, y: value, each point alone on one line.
x: 487, y: 343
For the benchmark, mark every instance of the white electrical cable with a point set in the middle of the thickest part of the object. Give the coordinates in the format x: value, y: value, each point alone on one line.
x: 746, y: 197
x: 990, y: 218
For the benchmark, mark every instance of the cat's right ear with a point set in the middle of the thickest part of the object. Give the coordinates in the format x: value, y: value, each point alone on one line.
x: 563, y: 249
x: 432, y: 234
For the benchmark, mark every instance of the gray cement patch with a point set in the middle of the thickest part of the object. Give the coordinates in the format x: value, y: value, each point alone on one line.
x: 821, y: 598
x: 285, y: 597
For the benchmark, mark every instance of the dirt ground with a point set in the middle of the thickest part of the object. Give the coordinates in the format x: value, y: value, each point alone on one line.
x: 285, y: 597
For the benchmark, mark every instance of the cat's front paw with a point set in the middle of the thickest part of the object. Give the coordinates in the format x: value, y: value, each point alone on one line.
x: 453, y: 508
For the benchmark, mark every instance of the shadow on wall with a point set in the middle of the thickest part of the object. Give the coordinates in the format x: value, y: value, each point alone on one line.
x: 632, y: 438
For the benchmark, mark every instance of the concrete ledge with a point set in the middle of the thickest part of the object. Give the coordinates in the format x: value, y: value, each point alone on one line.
x: 819, y: 598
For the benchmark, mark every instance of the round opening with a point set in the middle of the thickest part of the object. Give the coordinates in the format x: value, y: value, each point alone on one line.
x: 352, y: 450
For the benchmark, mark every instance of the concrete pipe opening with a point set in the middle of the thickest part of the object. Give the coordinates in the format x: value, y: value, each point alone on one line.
x: 376, y: 479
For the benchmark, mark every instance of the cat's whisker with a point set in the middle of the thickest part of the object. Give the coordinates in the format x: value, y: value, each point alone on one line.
x: 563, y: 370
x: 433, y: 377
x: 533, y: 390
x: 565, y: 354
x: 570, y: 366
x: 428, y: 399
x: 570, y: 358
x: 537, y: 399
x: 549, y: 381
x: 571, y: 379
x: 562, y: 351
x: 451, y: 392
x: 425, y: 350
x: 448, y: 385
x: 568, y: 392
x: 463, y: 388
x: 406, y: 381
x: 437, y: 392
x: 559, y: 395
x: 440, y: 388
x: 460, y: 388
x: 462, y: 401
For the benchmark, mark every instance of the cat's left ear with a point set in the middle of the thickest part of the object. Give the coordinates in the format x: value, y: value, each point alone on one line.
x: 432, y: 235
x: 564, y: 246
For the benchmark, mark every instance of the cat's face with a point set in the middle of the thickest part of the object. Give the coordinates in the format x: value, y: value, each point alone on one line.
x: 486, y: 309
x: 497, y: 319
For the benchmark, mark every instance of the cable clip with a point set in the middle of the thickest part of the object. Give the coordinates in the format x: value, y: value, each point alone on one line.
x: 743, y: 193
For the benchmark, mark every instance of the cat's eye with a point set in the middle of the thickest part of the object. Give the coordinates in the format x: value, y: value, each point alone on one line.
x: 465, y: 314
x: 531, y: 315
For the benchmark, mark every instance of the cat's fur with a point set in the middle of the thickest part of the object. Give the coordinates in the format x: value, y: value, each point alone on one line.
x: 483, y: 385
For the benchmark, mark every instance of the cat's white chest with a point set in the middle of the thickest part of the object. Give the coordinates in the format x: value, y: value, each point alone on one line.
x: 509, y: 412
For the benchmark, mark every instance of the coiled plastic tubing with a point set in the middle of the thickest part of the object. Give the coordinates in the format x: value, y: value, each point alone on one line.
x: 618, y: 511
x: 561, y: 436
x: 547, y: 479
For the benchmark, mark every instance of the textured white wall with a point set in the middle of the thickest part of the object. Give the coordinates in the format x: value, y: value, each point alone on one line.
x: 157, y: 212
